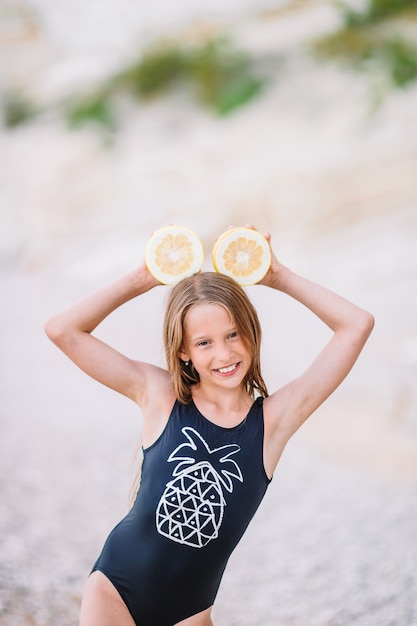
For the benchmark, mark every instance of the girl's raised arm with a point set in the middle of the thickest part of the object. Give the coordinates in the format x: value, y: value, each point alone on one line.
x: 71, y: 332
x: 291, y: 405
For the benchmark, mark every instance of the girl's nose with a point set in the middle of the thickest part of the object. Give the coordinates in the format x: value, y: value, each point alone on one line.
x: 223, y: 352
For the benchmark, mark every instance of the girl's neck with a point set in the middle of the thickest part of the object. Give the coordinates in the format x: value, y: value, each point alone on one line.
x: 225, y: 409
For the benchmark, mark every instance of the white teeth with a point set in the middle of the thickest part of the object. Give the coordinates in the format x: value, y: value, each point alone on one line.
x: 226, y: 370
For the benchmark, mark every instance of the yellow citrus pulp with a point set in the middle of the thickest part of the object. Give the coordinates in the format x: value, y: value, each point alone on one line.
x: 172, y: 253
x: 242, y: 253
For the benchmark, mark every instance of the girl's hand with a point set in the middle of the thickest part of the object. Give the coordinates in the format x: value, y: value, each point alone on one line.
x: 150, y: 278
x: 271, y: 277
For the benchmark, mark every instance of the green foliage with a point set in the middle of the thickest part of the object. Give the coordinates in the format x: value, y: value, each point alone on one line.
x: 378, y: 10
x: 362, y: 42
x: 94, y: 109
x: 154, y: 72
x: 401, y: 61
x: 237, y: 93
x: 16, y: 110
x: 349, y: 43
x: 221, y: 76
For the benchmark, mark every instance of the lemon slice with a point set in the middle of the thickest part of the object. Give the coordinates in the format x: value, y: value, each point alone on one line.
x: 242, y: 253
x: 172, y: 253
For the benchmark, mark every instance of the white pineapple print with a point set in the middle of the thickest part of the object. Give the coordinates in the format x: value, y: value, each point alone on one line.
x: 191, y: 508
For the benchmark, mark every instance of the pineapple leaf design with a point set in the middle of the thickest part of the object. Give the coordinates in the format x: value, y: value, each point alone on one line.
x: 196, y: 442
x: 191, y: 508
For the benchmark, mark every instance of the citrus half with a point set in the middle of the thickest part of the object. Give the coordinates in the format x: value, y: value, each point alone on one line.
x: 242, y: 253
x: 172, y: 253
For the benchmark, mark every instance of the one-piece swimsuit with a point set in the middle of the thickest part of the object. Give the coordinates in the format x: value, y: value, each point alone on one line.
x: 200, y: 486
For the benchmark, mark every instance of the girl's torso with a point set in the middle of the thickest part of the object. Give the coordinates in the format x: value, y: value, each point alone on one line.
x: 201, y: 485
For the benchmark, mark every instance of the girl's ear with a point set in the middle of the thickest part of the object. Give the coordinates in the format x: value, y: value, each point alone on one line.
x: 184, y: 356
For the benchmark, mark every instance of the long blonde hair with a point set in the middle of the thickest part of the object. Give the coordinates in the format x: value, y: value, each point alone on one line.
x: 211, y: 288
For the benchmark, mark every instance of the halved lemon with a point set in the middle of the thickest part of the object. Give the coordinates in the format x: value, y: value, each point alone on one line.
x: 242, y: 253
x: 172, y: 253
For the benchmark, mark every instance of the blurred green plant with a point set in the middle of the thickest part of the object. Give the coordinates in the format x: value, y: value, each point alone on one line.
x: 160, y: 66
x: 224, y: 77
x: 365, y: 42
x: 401, y: 61
x: 91, y: 109
x: 16, y: 109
x: 221, y: 77
x: 376, y: 11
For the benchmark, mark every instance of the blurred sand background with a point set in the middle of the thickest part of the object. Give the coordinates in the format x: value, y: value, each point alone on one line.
x: 334, y: 181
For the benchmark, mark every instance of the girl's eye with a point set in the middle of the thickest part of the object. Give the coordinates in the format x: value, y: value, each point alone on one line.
x: 203, y: 343
x: 234, y: 335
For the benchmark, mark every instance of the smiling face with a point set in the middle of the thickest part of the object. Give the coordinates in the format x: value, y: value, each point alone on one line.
x: 220, y: 294
x: 215, y: 347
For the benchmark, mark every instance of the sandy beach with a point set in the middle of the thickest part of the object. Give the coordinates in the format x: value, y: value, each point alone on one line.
x: 335, y: 540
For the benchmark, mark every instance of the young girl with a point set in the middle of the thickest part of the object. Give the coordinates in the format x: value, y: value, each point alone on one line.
x: 212, y: 435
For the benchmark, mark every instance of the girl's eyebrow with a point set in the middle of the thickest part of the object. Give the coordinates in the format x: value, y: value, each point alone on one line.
x: 195, y: 339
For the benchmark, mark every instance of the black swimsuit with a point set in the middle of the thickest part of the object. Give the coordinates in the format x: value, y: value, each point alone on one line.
x: 201, y: 485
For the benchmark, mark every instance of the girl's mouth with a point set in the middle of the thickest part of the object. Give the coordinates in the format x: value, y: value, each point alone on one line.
x: 226, y: 371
